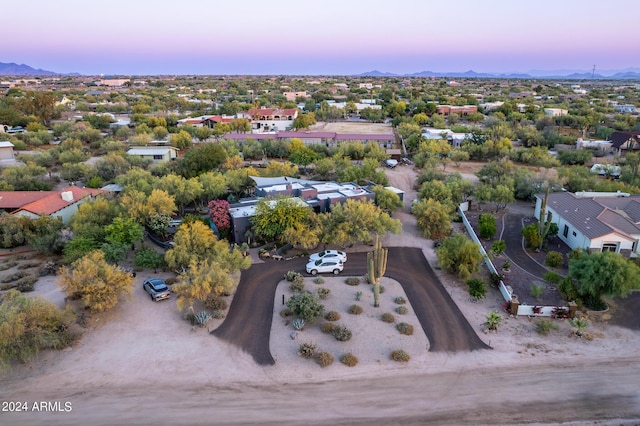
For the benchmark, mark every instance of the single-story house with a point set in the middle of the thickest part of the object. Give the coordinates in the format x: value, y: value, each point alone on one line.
x: 622, y: 142
x: 157, y: 154
x: 34, y: 204
x: 596, y: 221
x: 319, y: 196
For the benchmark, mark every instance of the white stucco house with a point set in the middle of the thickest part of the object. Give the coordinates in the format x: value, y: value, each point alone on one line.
x: 157, y: 154
x: 596, y: 221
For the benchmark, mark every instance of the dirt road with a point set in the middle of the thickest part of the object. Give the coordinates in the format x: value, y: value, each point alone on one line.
x: 539, y: 394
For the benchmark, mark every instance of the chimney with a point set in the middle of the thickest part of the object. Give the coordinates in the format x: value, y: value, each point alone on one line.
x: 67, y: 196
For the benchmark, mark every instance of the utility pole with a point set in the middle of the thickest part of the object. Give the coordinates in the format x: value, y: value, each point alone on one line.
x: 593, y: 72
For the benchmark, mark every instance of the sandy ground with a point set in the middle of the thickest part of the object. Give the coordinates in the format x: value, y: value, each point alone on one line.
x: 352, y: 127
x: 142, y: 364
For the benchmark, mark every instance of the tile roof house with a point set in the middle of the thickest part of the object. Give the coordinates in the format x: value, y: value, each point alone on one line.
x: 622, y: 142
x: 270, y: 119
x: 35, y: 204
x: 605, y: 221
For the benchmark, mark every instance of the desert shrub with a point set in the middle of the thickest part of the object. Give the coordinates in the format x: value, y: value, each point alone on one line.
x: 215, y: 303
x: 14, y: 277
x: 341, y: 333
x: 554, y: 259
x: 498, y: 247
x: 7, y: 265
x: 296, y: 285
x: 545, y: 325
x: 25, y: 284
x: 28, y: 265
x: 332, y: 316
x: 306, y: 306
x: 487, y: 225
x: 404, y: 328
x: 352, y: 281
x: 324, y: 359
x: 400, y: 356
x: 298, y: 324
x: 552, y: 278
x: 323, y: 292
x: 349, y: 360
x: 291, y: 275
x: 318, y: 280
x: 285, y: 313
x: 147, y: 257
x: 327, y: 327
x: 387, y: 317
x: 201, y: 318
x: 477, y: 288
x: 400, y: 300
x: 355, y: 309
x: 536, y: 290
x: 358, y: 295
x: 307, y: 350
x: 217, y: 314
x: 401, y: 310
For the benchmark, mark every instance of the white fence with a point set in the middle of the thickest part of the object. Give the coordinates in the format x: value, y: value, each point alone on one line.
x: 541, y: 311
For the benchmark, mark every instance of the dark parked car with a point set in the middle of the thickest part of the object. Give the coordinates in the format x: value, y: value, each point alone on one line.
x: 157, y: 289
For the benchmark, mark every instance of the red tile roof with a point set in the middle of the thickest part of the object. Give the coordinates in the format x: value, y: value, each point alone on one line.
x: 45, y: 202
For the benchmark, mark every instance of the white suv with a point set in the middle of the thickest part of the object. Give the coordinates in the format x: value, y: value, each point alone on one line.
x: 324, y: 266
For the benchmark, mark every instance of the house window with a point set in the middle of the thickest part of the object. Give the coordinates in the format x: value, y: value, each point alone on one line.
x: 158, y: 157
x: 610, y: 247
x: 565, y: 231
x: 574, y: 234
x: 634, y: 246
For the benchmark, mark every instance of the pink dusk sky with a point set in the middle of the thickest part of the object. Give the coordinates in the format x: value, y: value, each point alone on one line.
x: 139, y: 37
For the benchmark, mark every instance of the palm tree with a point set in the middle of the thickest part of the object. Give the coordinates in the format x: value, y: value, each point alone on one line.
x: 493, y: 320
x: 580, y: 324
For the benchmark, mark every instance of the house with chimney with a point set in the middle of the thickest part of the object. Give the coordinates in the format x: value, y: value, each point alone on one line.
x: 35, y: 204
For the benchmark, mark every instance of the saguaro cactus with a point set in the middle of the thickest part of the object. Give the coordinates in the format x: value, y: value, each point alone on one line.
x: 544, y: 221
x: 376, y: 267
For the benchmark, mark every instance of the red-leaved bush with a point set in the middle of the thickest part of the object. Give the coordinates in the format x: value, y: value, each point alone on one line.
x: 219, y: 213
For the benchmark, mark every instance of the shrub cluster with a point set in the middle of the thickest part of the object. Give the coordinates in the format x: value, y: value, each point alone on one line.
x: 327, y: 327
x: 387, y: 317
x: 325, y: 359
x: 214, y: 303
x: 404, y: 328
x: 307, y: 350
x: 341, y: 333
x: 355, y: 309
x: 323, y: 292
x: 400, y: 356
x: 545, y: 325
x: 400, y: 300
x: 402, y: 310
x: 332, y: 316
x: 554, y: 259
x: 285, y: 313
x: 297, y: 285
x: 352, y: 281
x: 349, y: 360
x: 318, y: 280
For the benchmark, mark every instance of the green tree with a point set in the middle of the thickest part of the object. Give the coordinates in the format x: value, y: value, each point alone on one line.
x: 96, y: 282
x: 79, y: 246
x: 44, y: 235
x: 137, y: 179
x: 386, y: 199
x: 304, y: 235
x: 459, y: 255
x: 274, y: 216
x: 304, y: 120
x: 181, y: 140
x: 111, y: 166
x: 433, y: 218
x: 125, y: 231
x: 603, y: 273
x: 92, y: 217
x: 29, y: 325
x: 356, y: 221
x: 487, y: 225
x: 201, y: 159
x: 195, y: 242
x: 184, y: 191
x: 200, y: 280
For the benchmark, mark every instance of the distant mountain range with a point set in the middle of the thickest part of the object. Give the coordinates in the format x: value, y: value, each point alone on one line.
x: 22, y: 69
x: 627, y: 74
